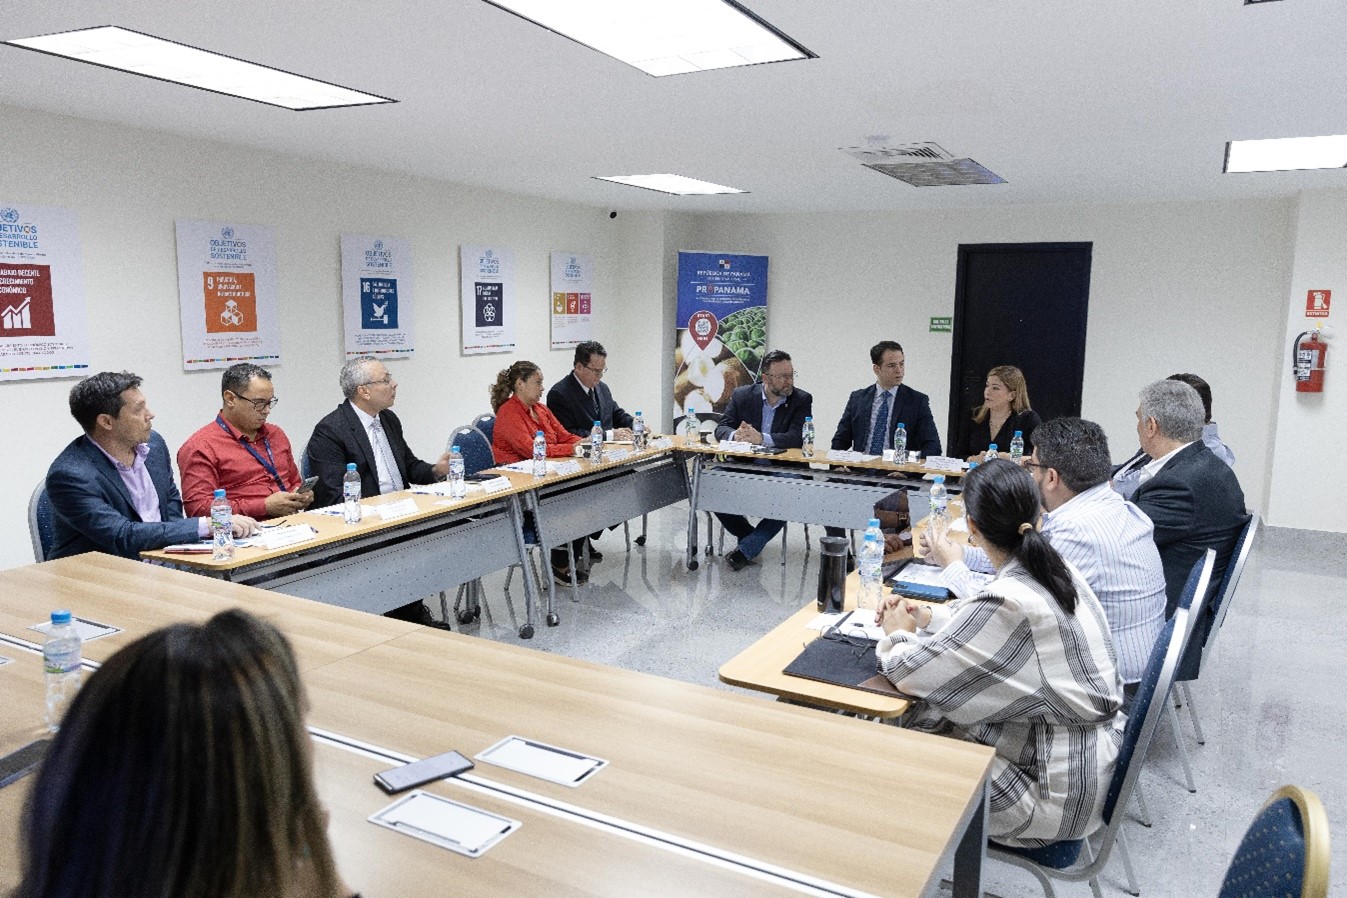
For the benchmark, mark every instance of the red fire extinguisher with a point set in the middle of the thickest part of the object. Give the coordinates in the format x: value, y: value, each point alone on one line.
x: 1309, y: 354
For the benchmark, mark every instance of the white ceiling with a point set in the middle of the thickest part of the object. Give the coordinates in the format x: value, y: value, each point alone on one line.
x: 1071, y: 101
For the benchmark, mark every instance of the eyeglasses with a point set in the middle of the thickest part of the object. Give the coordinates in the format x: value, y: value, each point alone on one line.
x: 790, y: 377
x: 599, y: 371
x: 1033, y: 464
x: 386, y: 379
x: 260, y: 404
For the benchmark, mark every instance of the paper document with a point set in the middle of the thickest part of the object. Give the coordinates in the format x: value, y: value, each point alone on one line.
x: 449, y: 824
x: 734, y: 446
x: 846, y: 455
x: 860, y: 624
x: 547, y: 762
x: 944, y: 463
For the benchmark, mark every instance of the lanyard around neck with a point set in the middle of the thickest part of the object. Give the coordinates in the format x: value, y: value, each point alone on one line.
x: 269, y: 463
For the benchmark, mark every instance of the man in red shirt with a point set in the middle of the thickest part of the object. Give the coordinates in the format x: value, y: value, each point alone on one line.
x: 239, y: 452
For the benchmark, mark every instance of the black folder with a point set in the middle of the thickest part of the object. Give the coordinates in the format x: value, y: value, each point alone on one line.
x: 842, y: 662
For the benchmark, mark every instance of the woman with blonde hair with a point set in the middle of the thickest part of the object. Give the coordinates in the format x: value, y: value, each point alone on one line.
x: 1005, y: 409
x: 183, y: 770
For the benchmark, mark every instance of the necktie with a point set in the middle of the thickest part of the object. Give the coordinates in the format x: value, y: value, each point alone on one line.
x: 881, y: 424
x: 388, y: 467
x: 598, y: 411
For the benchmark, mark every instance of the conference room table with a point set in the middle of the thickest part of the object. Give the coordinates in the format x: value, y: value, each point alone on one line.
x: 436, y: 543
x: 788, y: 486
x: 704, y: 790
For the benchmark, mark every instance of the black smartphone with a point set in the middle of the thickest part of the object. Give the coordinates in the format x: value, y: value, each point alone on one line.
x: 479, y: 477
x: 768, y: 450
x: 18, y: 764
x: 418, y: 773
x: 308, y: 484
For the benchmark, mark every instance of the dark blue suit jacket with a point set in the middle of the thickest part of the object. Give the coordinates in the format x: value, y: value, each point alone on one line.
x: 575, y: 410
x: 787, y: 422
x: 913, y: 409
x: 1196, y: 504
x: 92, y: 509
x: 339, y: 438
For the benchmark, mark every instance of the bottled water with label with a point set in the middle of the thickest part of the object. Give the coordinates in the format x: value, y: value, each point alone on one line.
x: 991, y: 453
x: 639, y: 438
x: 1017, y: 447
x: 691, y: 427
x: 458, y: 487
x: 807, y: 433
x: 61, y: 661
x: 939, y: 508
x: 596, y: 443
x: 872, y: 575
x: 539, y: 455
x: 873, y: 527
x: 222, y: 527
x: 350, y: 494
x: 900, y: 443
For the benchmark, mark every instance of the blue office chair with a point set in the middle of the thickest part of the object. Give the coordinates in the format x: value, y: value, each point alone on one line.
x: 476, y: 452
x: 1200, y: 646
x: 487, y: 425
x: 1284, y: 852
x: 41, y: 526
x: 1062, y: 860
x: 305, y: 468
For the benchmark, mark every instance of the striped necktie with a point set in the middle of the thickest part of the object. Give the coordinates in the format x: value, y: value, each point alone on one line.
x: 881, y: 424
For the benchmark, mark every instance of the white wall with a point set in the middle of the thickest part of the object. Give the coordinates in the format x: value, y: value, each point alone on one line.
x: 128, y: 186
x: 1307, y: 487
x: 1195, y: 287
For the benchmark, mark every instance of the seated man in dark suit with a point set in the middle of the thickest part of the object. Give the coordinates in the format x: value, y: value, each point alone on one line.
x: 112, y: 489
x: 581, y: 398
x: 364, y: 430
x: 770, y: 413
x: 1191, y: 496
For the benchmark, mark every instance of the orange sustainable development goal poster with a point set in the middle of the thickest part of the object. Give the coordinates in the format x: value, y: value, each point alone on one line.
x: 227, y: 294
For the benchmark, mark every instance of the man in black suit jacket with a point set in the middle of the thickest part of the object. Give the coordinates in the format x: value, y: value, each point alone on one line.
x: 905, y: 406
x: 1191, y: 496
x: 743, y: 420
x: 581, y: 398
x: 112, y: 489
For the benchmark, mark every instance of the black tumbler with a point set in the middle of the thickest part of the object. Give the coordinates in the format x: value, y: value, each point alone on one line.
x: 832, y: 572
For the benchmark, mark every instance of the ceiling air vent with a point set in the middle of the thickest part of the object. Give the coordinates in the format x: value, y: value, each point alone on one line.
x: 923, y: 164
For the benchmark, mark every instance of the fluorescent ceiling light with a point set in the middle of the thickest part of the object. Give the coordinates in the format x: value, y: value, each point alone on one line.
x: 675, y: 184
x: 143, y: 54
x: 1286, y: 154
x: 664, y: 37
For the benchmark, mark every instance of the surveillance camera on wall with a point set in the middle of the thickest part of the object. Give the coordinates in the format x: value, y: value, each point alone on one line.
x: 612, y: 214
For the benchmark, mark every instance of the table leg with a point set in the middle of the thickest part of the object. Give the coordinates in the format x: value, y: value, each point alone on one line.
x: 972, y: 850
x: 693, y: 481
x: 552, y: 619
x: 525, y: 567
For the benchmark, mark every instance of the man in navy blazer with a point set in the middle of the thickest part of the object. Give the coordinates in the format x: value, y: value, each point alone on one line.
x: 905, y: 406
x: 112, y: 489
x: 581, y: 398
x: 776, y: 399
x: 1191, y: 495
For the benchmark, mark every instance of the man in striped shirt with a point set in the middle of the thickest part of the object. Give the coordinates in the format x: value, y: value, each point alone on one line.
x: 1108, y: 539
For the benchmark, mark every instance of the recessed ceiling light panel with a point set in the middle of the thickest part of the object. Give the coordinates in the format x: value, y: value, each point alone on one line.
x: 675, y: 184
x: 1286, y: 154
x: 143, y: 54
x: 664, y: 37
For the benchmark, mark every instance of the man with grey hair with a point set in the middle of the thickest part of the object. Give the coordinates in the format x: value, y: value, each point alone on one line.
x: 1191, y: 496
x: 1107, y: 538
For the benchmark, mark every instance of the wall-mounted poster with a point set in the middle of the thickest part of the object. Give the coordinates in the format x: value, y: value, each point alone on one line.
x: 228, y: 294
x: 488, y: 299
x: 572, y: 299
x: 43, y: 331
x: 721, y: 329
x: 376, y: 293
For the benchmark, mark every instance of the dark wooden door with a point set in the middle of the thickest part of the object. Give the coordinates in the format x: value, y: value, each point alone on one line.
x: 1021, y: 304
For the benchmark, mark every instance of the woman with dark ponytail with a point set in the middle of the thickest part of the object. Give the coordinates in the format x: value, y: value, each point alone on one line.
x: 1026, y: 666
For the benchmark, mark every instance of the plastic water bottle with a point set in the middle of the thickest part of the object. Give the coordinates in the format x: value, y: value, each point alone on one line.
x: 222, y: 527
x: 807, y: 433
x: 639, y: 438
x: 873, y: 527
x: 691, y: 427
x: 991, y: 453
x: 872, y: 574
x: 539, y: 455
x: 1017, y: 447
x: 350, y: 494
x: 939, y: 508
x: 61, y: 660
x: 458, y: 487
x: 596, y: 443
x: 900, y: 443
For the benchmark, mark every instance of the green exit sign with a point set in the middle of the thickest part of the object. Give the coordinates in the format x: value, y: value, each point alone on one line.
x: 942, y: 325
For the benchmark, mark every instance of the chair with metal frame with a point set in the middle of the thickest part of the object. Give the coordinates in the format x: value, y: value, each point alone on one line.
x: 487, y: 425
x: 1197, y: 594
x: 1061, y: 860
x: 41, y: 526
x: 476, y: 451
x: 1285, y: 851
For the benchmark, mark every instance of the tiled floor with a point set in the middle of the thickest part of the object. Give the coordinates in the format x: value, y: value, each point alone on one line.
x: 1271, y: 703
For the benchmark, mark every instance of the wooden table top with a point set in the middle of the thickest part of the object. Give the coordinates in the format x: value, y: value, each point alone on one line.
x: 820, y: 457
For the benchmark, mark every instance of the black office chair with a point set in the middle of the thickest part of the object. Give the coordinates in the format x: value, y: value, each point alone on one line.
x: 41, y: 526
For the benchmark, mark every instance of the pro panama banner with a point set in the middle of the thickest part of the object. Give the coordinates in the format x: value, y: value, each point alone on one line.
x: 721, y: 329
x: 487, y: 299
x: 572, y: 299
x: 376, y: 294
x: 43, y: 330
x: 228, y: 294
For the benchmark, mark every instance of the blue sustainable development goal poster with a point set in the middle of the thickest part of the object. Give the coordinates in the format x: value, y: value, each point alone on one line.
x: 721, y: 329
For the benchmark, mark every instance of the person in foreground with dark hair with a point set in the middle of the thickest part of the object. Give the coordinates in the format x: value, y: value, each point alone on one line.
x: 1026, y: 666
x: 112, y: 488
x: 183, y: 769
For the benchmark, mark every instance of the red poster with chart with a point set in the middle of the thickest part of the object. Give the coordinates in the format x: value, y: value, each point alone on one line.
x: 25, y: 301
